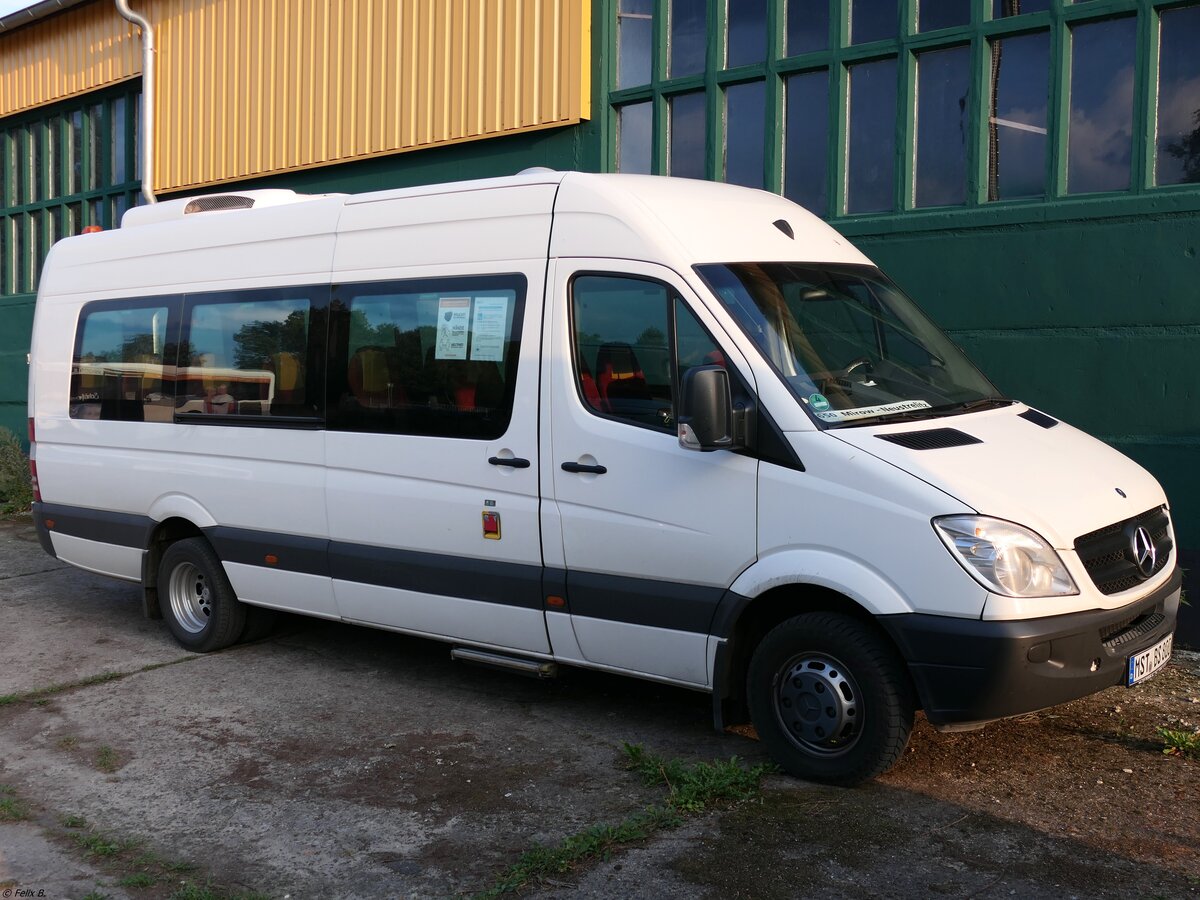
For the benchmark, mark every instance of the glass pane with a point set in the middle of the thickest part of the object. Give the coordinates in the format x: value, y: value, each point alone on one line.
x: 747, y: 32
x: 1179, y: 98
x: 118, y: 141
x: 622, y: 358
x: 873, y: 20
x: 245, y: 358
x: 871, y: 166
x: 1002, y: 8
x: 54, y: 130
x: 95, y: 164
x: 37, y: 247
x: 75, y: 152
x: 806, y: 141
x: 120, y: 367
x: 635, y: 130
x: 936, y: 14
x: 1101, y: 128
x: 635, y: 26
x: 745, y: 128
x: 807, y: 26
x: 96, y: 213
x: 21, y: 254
x: 37, y: 162
x: 21, y: 154
x: 943, y: 108
x: 689, y: 37
x: 75, y: 221
x: 687, y: 135
x: 1017, y: 133
x: 432, y: 358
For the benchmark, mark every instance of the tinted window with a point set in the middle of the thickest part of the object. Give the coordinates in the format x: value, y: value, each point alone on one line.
x: 1101, y: 129
x: 934, y: 14
x: 689, y: 36
x: 123, y: 365
x: 807, y: 26
x: 745, y: 125
x: 943, y: 105
x: 873, y: 20
x: 806, y: 138
x: 633, y: 337
x: 635, y: 127
x: 247, y: 354
x: 747, y: 26
x: 434, y: 358
x: 687, y: 135
x: 1179, y: 98
x: 871, y: 175
x: 635, y: 26
x: 1017, y: 123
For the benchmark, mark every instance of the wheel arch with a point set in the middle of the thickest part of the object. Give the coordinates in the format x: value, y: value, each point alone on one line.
x: 162, y: 535
x: 754, y: 618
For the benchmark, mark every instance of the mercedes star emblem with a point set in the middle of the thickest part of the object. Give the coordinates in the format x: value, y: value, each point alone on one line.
x: 1144, y: 553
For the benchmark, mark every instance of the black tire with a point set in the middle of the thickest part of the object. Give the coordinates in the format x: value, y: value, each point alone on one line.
x: 260, y: 622
x: 196, y: 598
x: 830, y: 698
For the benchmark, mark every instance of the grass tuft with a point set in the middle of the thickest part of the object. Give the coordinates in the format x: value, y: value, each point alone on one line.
x: 106, y: 759
x: 74, y: 822
x: 692, y: 788
x: 11, y: 807
x: 16, y: 488
x: 1180, y: 743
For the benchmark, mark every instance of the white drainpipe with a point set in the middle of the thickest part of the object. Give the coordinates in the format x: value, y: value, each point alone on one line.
x: 147, y: 97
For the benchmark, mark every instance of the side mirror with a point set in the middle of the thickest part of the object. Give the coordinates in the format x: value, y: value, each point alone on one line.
x: 706, y: 416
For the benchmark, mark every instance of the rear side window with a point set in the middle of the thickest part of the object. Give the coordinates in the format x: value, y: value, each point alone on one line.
x: 435, y: 358
x: 123, y: 366
x: 247, y: 354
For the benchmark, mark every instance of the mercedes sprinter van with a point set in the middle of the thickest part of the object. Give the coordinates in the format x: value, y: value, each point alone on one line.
x: 674, y: 429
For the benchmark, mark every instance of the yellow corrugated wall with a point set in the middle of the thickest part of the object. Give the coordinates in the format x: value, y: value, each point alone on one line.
x: 253, y: 87
x: 72, y: 53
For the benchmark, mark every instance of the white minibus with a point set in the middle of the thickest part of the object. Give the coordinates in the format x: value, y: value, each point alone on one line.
x: 673, y: 429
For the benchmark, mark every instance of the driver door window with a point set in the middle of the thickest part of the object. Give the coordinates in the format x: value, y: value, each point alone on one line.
x: 632, y: 339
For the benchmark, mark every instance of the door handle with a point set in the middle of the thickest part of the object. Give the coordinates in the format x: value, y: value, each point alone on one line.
x: 513, y: 462
x: 580, y: 467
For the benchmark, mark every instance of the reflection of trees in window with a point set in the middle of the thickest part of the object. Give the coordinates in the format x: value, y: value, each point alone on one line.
x: 256, y: 342
x: 1187, y: 151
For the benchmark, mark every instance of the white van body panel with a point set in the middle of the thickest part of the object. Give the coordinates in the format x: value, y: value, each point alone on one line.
x: 99, y: 557
x: 294, y: 592
x: 180, y: 506
x: 858, y: 530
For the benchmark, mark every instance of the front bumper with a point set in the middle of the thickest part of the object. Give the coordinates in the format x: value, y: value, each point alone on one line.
x: 968, y: 671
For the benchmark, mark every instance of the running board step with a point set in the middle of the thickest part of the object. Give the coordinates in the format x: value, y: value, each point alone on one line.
x: 535, y: 668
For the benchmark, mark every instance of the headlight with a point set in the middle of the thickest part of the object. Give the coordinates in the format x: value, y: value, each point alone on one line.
x: 1005, y: 558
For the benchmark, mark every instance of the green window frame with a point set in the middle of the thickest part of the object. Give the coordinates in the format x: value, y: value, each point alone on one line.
x: 1061, y: 22
x: 66, y: 167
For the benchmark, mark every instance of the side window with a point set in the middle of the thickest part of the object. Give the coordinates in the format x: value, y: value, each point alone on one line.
x: 633, y: 340
x: 247, y: 354
x: 123, y: 367
x: 436, y: 358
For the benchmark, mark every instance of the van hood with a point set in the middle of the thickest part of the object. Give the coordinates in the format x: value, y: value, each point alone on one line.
x: 1058, y: 481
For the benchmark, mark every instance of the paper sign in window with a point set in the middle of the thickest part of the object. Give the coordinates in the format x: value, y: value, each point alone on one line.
x: 488, y: 329
x: 454, y: 313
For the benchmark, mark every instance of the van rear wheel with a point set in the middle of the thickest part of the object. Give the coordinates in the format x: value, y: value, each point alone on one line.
x: 830, y: 699
x: 197, y: 599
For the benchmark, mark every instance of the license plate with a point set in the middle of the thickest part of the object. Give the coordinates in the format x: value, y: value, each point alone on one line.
x: 1146, y: 663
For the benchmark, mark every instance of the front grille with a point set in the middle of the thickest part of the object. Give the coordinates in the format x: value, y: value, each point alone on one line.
x: 1107, y: 553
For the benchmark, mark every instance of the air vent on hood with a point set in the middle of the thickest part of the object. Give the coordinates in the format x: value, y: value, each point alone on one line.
x: 1039, y: 418
x: 933, y: 439
x: 220, y: 203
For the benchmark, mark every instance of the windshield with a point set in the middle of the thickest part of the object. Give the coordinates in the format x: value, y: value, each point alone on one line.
x: 851, y: 346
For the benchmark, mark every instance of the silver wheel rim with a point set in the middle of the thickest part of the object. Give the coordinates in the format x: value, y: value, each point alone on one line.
x: 191, y: 598
x: 819, y: 705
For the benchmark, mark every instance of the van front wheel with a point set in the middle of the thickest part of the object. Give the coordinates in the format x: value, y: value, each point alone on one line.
x: 197, y: 599
x: 830, y: 699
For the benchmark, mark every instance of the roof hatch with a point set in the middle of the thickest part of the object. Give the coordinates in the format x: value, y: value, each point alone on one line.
x: 173, y: 210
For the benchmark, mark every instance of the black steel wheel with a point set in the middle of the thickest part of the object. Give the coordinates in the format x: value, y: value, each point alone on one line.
x: 830, y: 698
x: 196, y: 597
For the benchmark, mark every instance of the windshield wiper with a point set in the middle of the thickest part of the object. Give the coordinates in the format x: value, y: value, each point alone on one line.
x: 966, y: 406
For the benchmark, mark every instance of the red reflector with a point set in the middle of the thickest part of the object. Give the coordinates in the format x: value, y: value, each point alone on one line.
x: 31, y: 435
x: 91, y: 229
x: 271, y: 559
x: 37, y: 491
x: 557, y: 602
x: 49, y: 523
